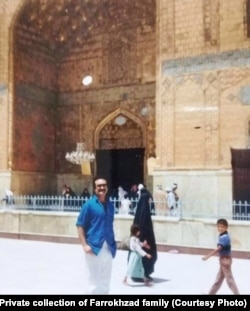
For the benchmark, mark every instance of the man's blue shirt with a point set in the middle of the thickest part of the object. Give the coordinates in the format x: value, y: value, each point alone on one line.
x: 97, y: 222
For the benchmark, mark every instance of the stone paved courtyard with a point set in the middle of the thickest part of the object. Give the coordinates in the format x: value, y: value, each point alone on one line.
x: 33, y: 267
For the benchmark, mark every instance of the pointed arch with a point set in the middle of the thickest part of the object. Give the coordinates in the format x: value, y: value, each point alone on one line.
x: 11, y: 84
x: 111, y: 119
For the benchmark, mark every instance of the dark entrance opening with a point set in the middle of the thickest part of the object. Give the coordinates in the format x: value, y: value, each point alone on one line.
x: 241, y: 174
x: 241, y: 182
x: 121, y: 167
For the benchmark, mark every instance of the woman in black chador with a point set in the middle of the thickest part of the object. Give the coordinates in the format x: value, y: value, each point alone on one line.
x: 144, y: 220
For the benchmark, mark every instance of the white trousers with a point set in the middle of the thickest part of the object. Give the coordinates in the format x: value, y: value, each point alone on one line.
x: 99, y: 271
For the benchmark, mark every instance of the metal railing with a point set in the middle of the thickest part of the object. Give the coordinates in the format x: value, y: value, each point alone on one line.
x: 184, y: 210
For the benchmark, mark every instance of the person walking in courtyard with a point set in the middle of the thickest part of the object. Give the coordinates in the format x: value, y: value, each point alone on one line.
x: 144, y: 220
x: 95, y: 227
x: 135, y: 266
x: 223, y: 249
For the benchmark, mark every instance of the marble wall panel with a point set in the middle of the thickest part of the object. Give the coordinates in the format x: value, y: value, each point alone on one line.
x: 196, y: 233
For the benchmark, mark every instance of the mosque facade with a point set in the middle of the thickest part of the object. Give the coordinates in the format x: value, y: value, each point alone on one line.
x: 169, y: 101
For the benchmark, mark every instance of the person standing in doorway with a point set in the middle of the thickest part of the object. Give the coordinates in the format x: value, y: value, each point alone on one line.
x: 85, y: 195
x: 133, y: 196
x: 151, y: 199
x: 125, y: 205
x: 95, y: 227
x: 225, y: 259
x: 121, y: 193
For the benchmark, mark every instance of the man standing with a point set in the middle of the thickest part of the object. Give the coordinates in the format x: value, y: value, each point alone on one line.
x: 96, y: 234
x: 171, y: 202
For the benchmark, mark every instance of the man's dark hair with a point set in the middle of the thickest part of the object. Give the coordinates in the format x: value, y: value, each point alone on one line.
x: 96, y: 178
x: 223, y: 222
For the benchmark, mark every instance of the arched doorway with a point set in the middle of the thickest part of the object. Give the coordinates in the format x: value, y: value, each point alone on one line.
x: 241, y: 182
x: 120, y: 149
x: 241, y: 174
x: 123, y: 167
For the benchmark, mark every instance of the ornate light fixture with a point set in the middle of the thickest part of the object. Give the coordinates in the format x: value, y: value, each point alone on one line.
x: 81, y: 155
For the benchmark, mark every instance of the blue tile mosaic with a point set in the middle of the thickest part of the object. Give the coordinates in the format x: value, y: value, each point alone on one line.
x: 244, y: 94
x: 206, y: 62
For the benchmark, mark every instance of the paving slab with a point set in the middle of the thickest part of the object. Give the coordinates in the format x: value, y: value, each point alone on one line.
x: 47, y: 268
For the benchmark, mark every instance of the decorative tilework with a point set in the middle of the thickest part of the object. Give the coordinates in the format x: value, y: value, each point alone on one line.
x: 245, y: 94
x: 206, y: 62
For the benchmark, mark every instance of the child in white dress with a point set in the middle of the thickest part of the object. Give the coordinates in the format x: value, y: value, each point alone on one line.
x: 135, y: 267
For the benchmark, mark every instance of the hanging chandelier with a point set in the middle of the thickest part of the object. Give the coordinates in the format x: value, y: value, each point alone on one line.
x: 80, y: 155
